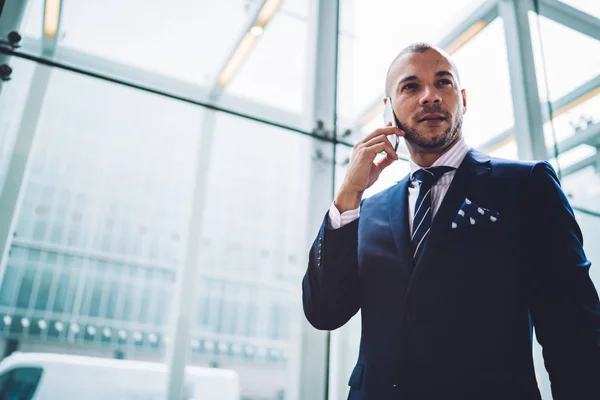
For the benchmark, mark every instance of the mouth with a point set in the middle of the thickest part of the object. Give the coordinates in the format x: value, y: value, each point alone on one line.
x: 432, y: 118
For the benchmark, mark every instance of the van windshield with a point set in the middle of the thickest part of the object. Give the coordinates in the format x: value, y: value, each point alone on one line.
x: 19, y: 383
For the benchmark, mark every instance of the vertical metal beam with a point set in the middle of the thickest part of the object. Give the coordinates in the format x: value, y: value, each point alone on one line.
x: 325, y: 68
x: 314, y: 355
x: 529, y: 122
x: 184, y: 292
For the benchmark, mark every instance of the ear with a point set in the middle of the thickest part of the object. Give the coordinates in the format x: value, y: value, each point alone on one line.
x: 464, y: 99
x: 385, y: 100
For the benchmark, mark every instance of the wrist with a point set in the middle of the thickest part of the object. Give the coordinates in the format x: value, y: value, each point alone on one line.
x: 347, y: 199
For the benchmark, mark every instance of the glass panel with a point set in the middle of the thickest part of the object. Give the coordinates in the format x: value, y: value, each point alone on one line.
x: 246, y: 312
x: 278, y: 71
x: 12, y: 103
x: 560, y: 54
x: 184, y: 33
x: 100, y: 173
x: 184, y: 49
x: 574, y: 131
x: 114, y: 168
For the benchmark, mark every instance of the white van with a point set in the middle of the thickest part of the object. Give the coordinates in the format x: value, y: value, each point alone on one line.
x: 46, y: 376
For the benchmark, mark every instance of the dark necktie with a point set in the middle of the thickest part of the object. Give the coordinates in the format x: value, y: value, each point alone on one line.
x: 424, y: 209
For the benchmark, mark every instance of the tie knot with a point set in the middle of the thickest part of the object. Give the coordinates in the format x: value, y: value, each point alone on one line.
x: 429, y: 176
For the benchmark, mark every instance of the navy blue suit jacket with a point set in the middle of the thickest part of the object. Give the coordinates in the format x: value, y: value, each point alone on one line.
x: 458, y: 324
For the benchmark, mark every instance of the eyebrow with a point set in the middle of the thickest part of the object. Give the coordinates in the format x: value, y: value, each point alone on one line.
x: 444, y: 73
x: 414, y: 77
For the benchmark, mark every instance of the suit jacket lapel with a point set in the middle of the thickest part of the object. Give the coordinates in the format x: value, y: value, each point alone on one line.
x: 475, y: 166
x: 398, y: 206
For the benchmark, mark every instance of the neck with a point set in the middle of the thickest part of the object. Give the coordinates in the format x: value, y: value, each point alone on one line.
x: 426, y: 157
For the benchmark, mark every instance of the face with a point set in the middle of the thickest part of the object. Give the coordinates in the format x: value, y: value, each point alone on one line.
x: 427, y: 100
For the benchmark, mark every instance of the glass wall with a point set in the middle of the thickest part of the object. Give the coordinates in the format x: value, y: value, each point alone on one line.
x: 102, y: 225
x: 105, y: 137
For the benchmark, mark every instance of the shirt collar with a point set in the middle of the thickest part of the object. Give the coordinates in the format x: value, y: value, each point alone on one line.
x: 452, y: 158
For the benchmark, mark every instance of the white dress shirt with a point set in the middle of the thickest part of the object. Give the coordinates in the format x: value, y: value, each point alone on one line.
x: 452, y: 158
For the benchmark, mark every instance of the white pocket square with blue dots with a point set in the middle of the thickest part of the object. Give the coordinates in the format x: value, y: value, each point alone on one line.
x: 472, y: 214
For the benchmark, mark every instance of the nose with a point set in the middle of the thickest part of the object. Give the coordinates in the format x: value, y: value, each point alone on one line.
x: 430, y: 96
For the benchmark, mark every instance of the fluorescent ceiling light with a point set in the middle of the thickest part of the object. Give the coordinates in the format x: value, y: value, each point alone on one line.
x: 257, y: 30
x: 51, y: 18
x: 267, y: 12
x: 247, y: 43
x: 236, y: 59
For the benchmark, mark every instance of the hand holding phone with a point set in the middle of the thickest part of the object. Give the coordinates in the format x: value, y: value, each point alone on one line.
x: 363, y: 168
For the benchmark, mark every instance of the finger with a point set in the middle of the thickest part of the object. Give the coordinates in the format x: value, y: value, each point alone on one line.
x: 384, y: 163
x: 377, y: 139
x: 382, y: 146
x: 390, y: 130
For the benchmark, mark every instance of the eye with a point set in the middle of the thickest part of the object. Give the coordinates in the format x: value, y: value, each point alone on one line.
x: 445, y: 82
x: 409, y: 86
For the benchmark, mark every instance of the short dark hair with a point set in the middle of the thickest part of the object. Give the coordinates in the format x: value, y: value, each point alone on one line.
x: 419, y: 47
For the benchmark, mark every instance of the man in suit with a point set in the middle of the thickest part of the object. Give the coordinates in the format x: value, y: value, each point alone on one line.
x: 453, y: 265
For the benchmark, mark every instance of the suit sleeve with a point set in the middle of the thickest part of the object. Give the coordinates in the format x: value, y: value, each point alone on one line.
x: 330, y: 287
x: 564, y: 301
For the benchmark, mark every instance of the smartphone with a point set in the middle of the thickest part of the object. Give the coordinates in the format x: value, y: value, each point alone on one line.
x: 389, y: 116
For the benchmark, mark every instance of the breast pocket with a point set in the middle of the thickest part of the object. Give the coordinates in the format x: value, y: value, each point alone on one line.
x: 489, y: 233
